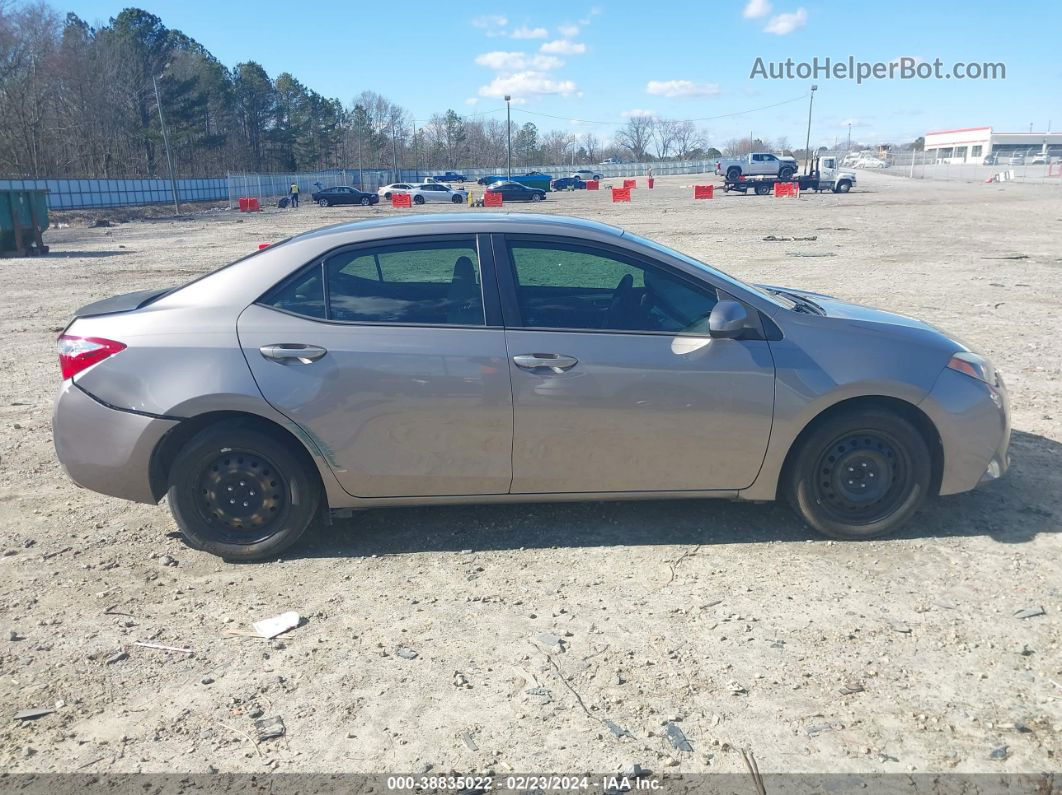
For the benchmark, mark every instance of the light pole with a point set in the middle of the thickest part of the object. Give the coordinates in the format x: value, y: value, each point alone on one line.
x: 509, y: 135
x: 849, y: 147
x: 807, y: 142
x: 394, y: 149
x: 166, y: 142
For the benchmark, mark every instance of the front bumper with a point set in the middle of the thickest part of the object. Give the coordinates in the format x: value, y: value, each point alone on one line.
x: 106, y: 449
x: 973, y: 419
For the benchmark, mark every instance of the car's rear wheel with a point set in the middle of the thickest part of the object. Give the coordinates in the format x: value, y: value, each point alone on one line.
x: 387, y: 196
x: 733, y: 173
x: 323, y: 202
x: 457, y: 199
x: 241, y: 494
x: 786, y: 173
x: 418, y: 200
x: 763, y: 190
x: 365, y: 201
x: 859, y: 474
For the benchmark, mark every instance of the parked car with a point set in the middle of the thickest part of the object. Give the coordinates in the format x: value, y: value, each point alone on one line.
x: 532, y: 179
x: 610, y: 162
x: 1016, y: 159
x: 435, y: 192
x: 990, y: 160
x: 871, y: 162
x: 343, y: 194
x: 1039, y: 159
x: 388, y: 190
x: 599, y: 365
x: 568, y: 183
x: 517, y: 192
x: 450, y: 176
x: 757, y: 164
x: 586, y: 173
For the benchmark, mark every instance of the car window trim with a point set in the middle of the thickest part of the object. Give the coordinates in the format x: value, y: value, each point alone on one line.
x: 489, y: 293
x: 513, y: 317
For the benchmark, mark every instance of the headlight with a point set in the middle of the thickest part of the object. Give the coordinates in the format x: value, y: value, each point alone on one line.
x: 969, y: 363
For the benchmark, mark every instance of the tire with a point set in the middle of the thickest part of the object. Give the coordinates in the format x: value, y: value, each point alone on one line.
x: 457, y: 200
x: 387, y: 196
x: 763, y: 190
x: 867, y: 444
x: 418, y: 200
x: 284, y: 494
x: 786, y: 173
x: 323, y: 202
x: 537, y: 197
x: 365, y: 201
x: 598, y: 176
x: 843, y: 186
x: 733, y: 174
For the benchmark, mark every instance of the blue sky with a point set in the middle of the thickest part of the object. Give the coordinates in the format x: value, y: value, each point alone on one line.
x: 596, y: 61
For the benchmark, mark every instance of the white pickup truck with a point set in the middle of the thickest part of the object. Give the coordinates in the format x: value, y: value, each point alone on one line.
x: 757, y: 164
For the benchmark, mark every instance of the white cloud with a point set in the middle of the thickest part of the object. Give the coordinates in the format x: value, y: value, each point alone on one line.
x: 784, y: 24
x: 490, y: 21
x: 524, y: 83
x: 501, y: 61
x: 681, y: 88
x: 472, y: 100
x: 627, y: 114
x: 756, y: 9
x: 568, y: 31
x: 525, y: 32
x: 564, y: 47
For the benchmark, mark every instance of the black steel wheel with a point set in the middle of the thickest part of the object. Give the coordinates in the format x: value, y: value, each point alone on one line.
x: 241, y: 493
x: 786, y: 173
x: 859, y: 474
x: 733, y: 173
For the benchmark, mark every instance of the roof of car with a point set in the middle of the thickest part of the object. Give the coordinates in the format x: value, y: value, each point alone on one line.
x: 507, y: 221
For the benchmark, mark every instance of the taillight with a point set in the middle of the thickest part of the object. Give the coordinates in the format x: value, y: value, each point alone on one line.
x: 77, y: 353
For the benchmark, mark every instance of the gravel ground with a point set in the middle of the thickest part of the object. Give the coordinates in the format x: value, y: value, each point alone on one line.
x: 531, y: 626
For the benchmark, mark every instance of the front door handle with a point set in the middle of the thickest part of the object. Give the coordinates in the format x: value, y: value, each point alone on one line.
x: 556, y: 362
x: 292, y: 353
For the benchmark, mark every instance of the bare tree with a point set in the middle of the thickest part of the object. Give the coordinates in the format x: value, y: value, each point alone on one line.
x: 592, y: 144
x: 635, y: 135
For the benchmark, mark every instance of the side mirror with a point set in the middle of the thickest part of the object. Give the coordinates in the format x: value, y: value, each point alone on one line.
x: 728, y: 320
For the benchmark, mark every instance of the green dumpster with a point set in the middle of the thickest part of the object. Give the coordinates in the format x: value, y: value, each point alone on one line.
x: 23, y: 219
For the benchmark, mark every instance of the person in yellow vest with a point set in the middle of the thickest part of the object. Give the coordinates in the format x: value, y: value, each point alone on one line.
x: 293, y: 191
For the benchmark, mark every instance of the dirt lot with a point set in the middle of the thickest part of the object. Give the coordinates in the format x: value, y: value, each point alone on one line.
x: 732, y: 619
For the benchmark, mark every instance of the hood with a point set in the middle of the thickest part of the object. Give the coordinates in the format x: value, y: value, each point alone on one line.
x: 842, y: 310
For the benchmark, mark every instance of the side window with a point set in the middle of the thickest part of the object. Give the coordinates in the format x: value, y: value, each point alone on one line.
x: 303, y: 295
x: 431, y: 283
x: 574, y: 287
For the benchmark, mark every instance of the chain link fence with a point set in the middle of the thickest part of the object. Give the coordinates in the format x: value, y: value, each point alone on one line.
x: 1036, y: 167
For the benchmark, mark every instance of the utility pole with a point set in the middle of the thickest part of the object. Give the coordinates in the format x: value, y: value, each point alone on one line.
x: 807, y: 142
x: 166, y: 143
x: 416, y: 153
x: 849, y: 147
x: 509, y: 135
x: 394, y: 148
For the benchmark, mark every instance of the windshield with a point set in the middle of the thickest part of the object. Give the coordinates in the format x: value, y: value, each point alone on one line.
x: 775, y: 298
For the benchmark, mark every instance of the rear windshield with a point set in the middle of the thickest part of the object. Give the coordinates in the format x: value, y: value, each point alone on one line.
x: 244, y: 258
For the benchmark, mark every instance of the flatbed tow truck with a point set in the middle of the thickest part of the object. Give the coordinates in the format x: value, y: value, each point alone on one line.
x: 824, y: 175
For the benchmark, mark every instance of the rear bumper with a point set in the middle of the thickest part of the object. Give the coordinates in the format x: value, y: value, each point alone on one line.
x: 106, y: 449
x: 973, y: 420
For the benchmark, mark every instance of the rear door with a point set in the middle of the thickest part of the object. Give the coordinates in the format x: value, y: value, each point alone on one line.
x: 616, y: 384
x: 391, y: 357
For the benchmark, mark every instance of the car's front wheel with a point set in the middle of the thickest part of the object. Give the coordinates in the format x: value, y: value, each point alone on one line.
x: 859, y: 474
x: 843, y: 186
x: 365, y: 201
x: 537, y: 197
x: 458, y: 199
x: 242, y: 494
x: 418, y: 200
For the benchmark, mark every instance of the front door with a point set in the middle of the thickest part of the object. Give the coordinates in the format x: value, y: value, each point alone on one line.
x: 383, y: 355
x: 617, y: 385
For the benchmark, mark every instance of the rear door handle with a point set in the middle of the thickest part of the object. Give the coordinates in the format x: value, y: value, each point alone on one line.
x: 292, y: 353
x: 556, y: 362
